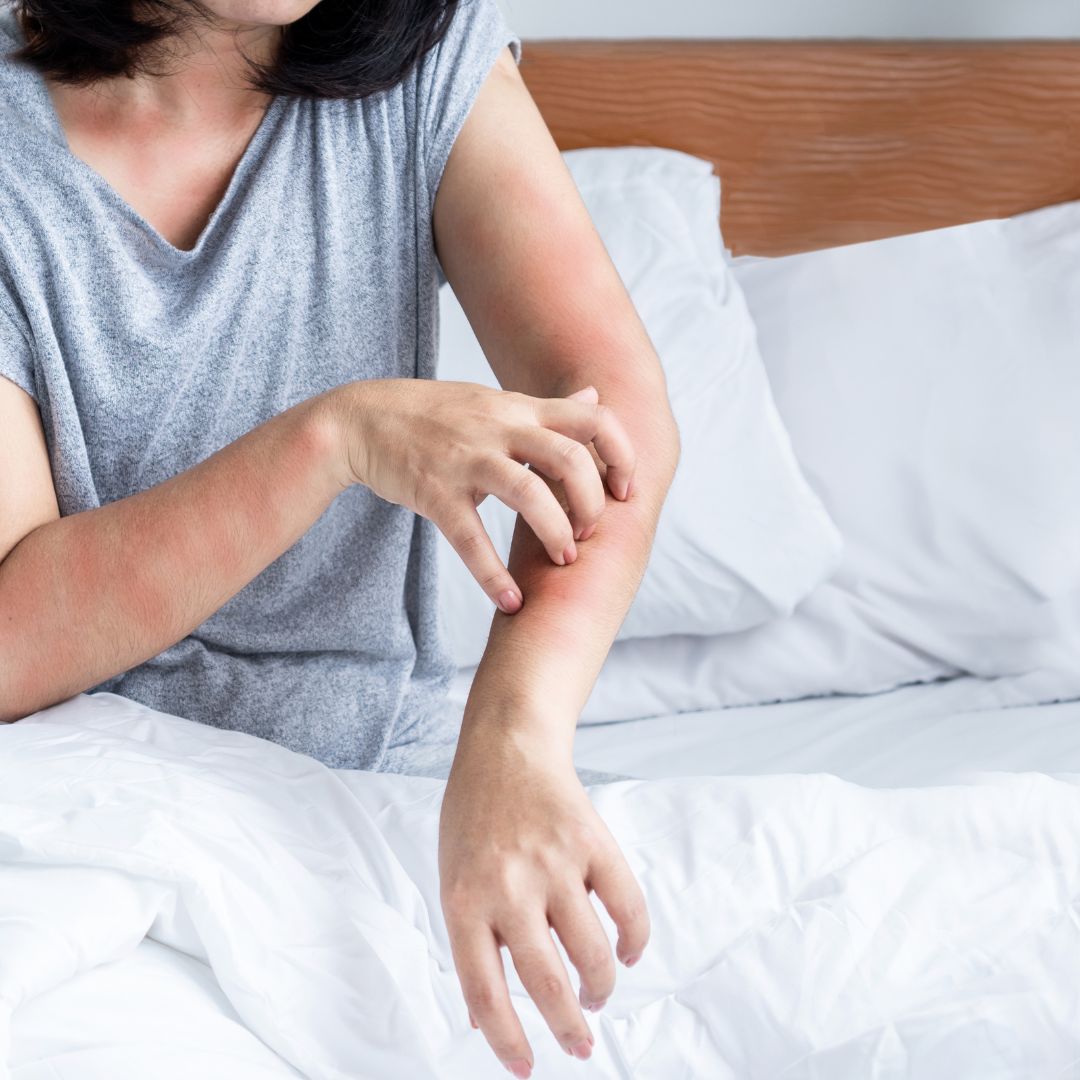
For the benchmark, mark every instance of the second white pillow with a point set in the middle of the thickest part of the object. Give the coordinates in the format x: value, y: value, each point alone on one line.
x: 931, y: 384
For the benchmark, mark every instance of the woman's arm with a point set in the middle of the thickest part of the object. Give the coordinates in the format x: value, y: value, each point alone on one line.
x: 520, y: 845
x: 85, y: 597
x: 553, y: 316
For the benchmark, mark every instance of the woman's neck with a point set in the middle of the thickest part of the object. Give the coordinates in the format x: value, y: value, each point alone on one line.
x: 204, y: 81
x: 168, y: 144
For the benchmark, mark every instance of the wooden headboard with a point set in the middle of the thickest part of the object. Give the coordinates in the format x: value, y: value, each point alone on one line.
x: 819, y: 144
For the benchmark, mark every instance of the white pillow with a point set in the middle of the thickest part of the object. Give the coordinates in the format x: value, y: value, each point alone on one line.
x: 931, y: 385
x: 742, y: 538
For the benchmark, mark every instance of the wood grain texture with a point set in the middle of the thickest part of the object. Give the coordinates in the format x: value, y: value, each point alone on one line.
x: 820, y: 144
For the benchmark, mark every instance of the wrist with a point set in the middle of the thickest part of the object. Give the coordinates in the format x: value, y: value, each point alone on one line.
x: 335, y: 422
x: 517, y: 721
x: 507, y: 748
x: 308, y: 439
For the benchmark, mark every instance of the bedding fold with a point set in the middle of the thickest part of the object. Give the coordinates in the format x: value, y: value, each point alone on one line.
x: 802, y: 926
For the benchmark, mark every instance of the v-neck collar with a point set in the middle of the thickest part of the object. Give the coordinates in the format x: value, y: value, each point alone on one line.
x: 249, y: 160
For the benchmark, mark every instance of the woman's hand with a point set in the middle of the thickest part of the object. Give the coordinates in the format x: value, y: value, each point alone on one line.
x: 440, y: 448
x: 520, y: 848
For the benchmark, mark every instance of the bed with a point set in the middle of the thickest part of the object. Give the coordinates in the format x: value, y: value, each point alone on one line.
x: 863, y: 885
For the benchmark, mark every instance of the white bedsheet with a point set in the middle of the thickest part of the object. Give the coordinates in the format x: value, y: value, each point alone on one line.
x: 937, y: 733
x: 803, y: 926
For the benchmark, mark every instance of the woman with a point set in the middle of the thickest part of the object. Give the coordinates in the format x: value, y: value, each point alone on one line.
x: 222, y: 457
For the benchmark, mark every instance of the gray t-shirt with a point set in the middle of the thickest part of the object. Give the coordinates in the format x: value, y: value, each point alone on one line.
x: 317, y: 268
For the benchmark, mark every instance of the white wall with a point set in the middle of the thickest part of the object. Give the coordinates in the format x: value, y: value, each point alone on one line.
x: 794, y: 18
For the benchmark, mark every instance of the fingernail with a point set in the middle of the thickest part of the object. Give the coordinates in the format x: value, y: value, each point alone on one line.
x: 475, y: 1025
x: 592, y: 1006
x: 509, y: 602
x: 629, y: 488
x: 519, y: 1067
x: 630, y: 961
x: 582, y: 1050
x: 586, y: 533
x: 569, y: 555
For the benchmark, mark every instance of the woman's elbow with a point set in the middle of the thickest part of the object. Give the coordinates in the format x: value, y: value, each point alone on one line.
x: 13, y: 704
x: 668, y: 442
x: 9, y: 711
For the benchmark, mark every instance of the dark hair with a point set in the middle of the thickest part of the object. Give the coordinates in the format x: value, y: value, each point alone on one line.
x: 339, y: 49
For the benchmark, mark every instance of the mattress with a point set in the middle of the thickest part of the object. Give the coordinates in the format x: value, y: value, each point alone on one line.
x: 937, y: 733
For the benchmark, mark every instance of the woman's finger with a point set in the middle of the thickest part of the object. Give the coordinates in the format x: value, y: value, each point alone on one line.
x: 468, y: 537
x: 569, y: 462
x: 544, y: 977
x: 483, y: 983
x: 614, y: 882
x: 522, y: 490
x: 587, y: 394
x: 574, y: 919
x: 599, y: 425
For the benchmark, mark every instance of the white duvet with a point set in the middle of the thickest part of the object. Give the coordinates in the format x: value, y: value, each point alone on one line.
x: 802, y: 926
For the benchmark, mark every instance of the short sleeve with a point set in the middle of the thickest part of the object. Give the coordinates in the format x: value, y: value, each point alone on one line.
x: 450, y: 77
x: 16, y: 353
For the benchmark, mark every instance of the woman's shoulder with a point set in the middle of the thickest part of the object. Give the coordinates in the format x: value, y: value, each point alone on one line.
x: 11, y: 39
x: 25, y: 107
x: 435, y: 92
x: 474, y: 34
x: 460, y: 56
x: 30, y: 187
x: 8, y: 24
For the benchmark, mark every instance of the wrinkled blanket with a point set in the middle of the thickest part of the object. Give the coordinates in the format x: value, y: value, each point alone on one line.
x: 802, y: 926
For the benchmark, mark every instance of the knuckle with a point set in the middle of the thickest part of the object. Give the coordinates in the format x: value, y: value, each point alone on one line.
x: 458, y: 902
x: 575, y: 456
x: 492, y: 582
x: 571, y: 1035
x: 578, y: 835
x: 596, y: 960
x: 466, y: 539
x: 547, y: 986
x: 460, y: 531
x: 509, y: 402
x: 426, y: 496
x: 523, y: 486
x: 506, y: 1044
x: 505, y: 1050
x: 505, y: 883
x: 487, y: 471
x: 481, y: 1000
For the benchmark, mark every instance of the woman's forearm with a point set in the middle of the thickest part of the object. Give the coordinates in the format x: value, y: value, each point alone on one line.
x: 540, y: 664
x: 85, y: 597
